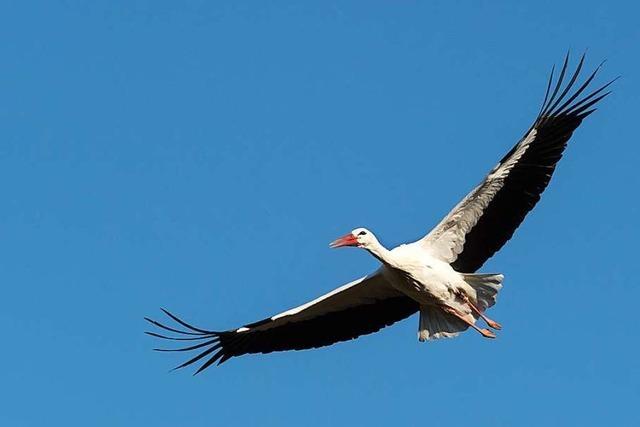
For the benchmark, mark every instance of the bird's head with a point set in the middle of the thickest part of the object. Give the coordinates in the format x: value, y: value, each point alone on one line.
x: 359, y: 237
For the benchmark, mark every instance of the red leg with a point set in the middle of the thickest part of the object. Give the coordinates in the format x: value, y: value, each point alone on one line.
x: 492, y: 323
x: 485, y: 332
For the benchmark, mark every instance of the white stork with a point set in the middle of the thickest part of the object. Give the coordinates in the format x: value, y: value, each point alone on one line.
x: 435, y: 275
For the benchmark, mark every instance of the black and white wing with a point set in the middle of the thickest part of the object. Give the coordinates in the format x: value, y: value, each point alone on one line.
x: 487, y: 218
x: 361, y: 307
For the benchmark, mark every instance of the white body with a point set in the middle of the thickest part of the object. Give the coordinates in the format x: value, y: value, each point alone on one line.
x: 417, y: 271
x: 424, y: 278
x: 435, y: 275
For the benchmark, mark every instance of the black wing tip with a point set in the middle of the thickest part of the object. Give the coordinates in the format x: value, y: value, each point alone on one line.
x: 183, y: 323
x: 150, y: 320
x: 219, y: 355
x: 615, y: 79
x: 553, y: 106
x: 213, y: 343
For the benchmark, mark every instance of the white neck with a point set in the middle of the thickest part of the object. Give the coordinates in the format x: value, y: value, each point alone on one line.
x: 381, y: 253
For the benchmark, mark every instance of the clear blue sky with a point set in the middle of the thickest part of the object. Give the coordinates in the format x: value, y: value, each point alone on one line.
x: 201, y: 155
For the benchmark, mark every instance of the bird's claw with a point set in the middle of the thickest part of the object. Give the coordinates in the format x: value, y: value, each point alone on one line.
x: 487, y: 333
x: 493, y: 324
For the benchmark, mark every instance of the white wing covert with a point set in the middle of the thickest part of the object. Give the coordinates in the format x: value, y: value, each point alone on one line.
x: 488, y: 216
x: 361, y: 307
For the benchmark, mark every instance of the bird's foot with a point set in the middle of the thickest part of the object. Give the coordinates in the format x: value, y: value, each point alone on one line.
x: 487, y: 333
x: 493, y: 324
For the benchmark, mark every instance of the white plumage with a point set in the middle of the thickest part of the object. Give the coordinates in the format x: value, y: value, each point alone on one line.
x: 435, y: 275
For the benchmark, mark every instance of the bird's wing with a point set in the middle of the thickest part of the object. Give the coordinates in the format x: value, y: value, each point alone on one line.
x: 488, y: 216
x: 361, y: 307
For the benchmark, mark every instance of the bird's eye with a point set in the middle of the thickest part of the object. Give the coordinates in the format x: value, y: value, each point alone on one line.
x: 362, y: 233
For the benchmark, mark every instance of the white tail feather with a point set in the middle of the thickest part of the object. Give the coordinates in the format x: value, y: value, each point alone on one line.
x: 486, y: 287
x: 435, y: 323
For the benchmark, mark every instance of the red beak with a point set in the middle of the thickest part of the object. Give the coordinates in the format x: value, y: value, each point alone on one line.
x: 346, y: 240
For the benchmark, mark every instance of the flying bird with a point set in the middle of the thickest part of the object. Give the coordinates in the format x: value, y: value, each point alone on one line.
x: 436, y: 275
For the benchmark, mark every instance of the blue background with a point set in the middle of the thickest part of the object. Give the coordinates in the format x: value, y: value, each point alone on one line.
x: 200, y: 156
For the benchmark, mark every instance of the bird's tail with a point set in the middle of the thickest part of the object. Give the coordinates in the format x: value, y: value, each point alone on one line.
x: 486, y: 287
x: 435, y: 324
